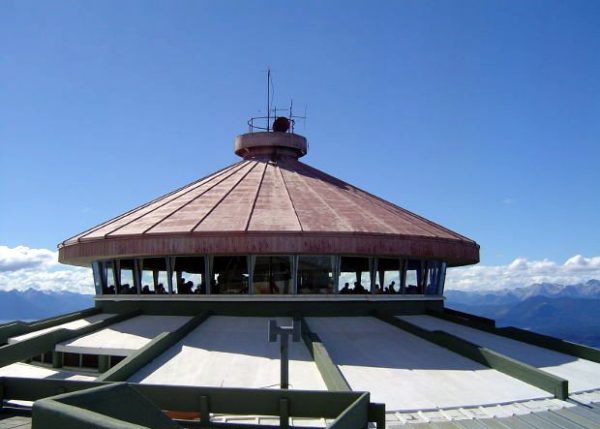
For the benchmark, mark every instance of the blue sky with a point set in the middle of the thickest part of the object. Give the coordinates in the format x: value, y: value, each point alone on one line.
x: 480, y: 115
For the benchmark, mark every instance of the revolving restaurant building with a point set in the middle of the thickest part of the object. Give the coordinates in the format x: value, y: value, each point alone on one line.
x: 189, y: 284
x: 269, y: 228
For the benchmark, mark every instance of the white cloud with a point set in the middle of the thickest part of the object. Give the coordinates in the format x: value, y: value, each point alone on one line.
x: 24, y: 268
x: 523, y: 272
x: 16, y: 258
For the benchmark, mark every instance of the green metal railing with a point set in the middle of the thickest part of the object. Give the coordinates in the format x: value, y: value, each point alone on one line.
x: 43, y: 343
x: 540, y: 340
x: 13, y: 329
x: 127, y: 405
x: 332, y: 376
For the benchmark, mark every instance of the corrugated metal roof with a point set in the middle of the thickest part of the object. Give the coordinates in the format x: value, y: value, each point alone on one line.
x: 269, y: 203
x: 259, y: 195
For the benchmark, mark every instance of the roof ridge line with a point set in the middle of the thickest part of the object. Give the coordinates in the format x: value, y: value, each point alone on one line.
x: 167, y: 202
x: 323, y: 200
x: 223, y: 197
x: 255, y: 197
x: 243, y: 163
x: 195, y: 184
x: 290, y: 198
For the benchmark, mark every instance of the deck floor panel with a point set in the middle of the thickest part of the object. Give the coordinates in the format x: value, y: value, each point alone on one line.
x: 408, y: 373
x: 231, y: 352
x: 121, y: 339
x: 73, y: 325
x: 24, y: 370
x: 582, y: 374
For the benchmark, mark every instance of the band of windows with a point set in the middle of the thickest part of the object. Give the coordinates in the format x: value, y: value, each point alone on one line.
x: 269, y: 274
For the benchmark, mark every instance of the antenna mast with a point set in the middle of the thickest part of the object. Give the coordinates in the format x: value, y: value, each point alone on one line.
x: 268, y: 99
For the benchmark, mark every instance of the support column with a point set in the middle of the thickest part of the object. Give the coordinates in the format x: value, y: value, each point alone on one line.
x: 335, y: 266
x: 372, y: 273
x: 294, y: 269
x: 403, y: 269
x: 103, y: 363
x: 207, y: 273
x: 169, y: 263
x: 250, y: 261
x: 137, y: 275
x: 57, y: 359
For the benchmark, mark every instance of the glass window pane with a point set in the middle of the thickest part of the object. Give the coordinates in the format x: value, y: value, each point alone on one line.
x: 413, y: 277
x: 355, y: 275
x: 97, y: 271
x: 126, y: 284
x: 189, y: 274
x: 229, y: 275
x: 435, y: 279
x: 154, y: 276
x: 272, y: 275
x: 109, y: 278
x: 388, y: 275
x: 315, y: 274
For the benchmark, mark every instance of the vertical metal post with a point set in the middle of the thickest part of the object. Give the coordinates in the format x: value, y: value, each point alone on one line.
x: 204, y: 411
x: 169, y: 267
x: 250, y: 261
x: 103, y: 363
x: 116, y: 275
x: 336, y: 268
x: 269, y: 99
x: 284, y: 361
x: 294, y: 263
x: 284, y: 413
x: 283, y: 332
x: 137, y: 276
x: 372, y: 273
x: 403, y: 268
x: 207, y: 273
x: 442, y: 278
x: 57, y: 359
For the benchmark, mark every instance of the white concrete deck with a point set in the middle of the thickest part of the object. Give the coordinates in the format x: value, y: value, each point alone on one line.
x: 75, y: 324
x: 408, y: 373
x: 124, y: 337
x: 582, y: 374
x: 24, y: 370
x: 231, y: 352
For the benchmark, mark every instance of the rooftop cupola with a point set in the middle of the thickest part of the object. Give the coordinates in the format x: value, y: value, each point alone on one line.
x: 276, y: 141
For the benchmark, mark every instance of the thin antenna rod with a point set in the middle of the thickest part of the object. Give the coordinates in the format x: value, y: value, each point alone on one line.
x: 268, y: 98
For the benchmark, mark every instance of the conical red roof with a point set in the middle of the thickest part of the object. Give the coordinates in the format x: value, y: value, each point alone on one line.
x: 266, y: 205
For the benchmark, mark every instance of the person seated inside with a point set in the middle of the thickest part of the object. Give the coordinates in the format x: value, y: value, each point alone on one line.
x: 124, y: 289
x: 160, y: 289
x: 346, y: 288
x: 359, y: 288
x: 146, y: 290
x: 391, y: 288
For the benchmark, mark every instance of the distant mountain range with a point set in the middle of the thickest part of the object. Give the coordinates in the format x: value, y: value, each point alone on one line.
x: 571, y: 312
x: 34, y: 304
